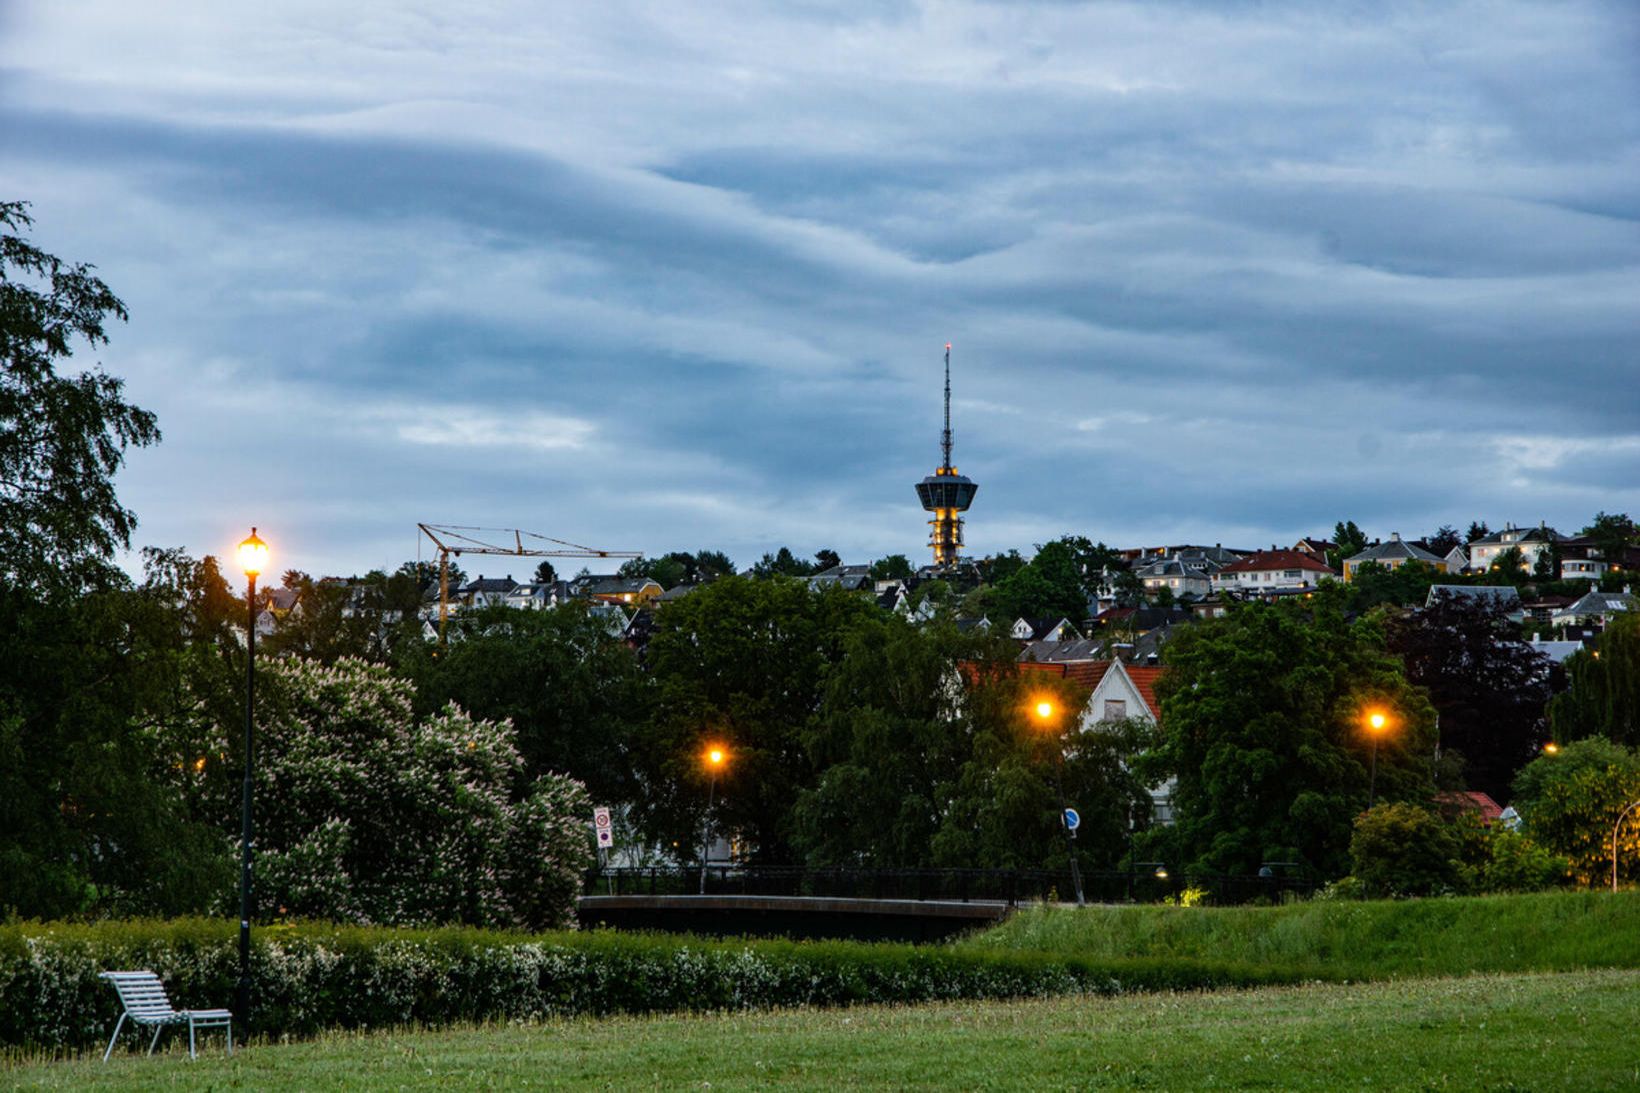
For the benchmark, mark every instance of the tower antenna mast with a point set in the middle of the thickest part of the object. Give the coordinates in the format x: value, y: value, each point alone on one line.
x: 945, y: 437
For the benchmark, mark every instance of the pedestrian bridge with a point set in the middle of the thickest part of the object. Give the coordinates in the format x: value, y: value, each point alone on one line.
x: 793, y: 916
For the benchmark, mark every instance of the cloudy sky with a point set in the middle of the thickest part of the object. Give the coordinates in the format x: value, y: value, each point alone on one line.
x: 671, y: 276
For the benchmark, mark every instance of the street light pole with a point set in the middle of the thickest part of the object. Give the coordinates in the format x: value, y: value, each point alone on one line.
x: 715, y: 757
x: 253, y: 556
x: 1045, y: 712
x: 1618, y: 826
x: 1376, y: 720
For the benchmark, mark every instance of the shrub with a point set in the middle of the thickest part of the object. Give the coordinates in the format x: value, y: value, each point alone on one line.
x: 1403, y: 850
x: 310, y: 977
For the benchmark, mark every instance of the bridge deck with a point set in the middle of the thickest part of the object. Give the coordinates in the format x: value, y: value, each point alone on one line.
x: 800, y: 916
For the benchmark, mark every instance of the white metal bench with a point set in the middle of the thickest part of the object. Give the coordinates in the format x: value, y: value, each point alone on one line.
x: 145, y: 1002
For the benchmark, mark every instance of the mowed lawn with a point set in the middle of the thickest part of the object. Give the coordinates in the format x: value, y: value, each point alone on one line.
x: 1571, y: 1031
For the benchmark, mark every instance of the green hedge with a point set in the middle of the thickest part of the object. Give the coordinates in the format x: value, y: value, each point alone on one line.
x: 313, y: 977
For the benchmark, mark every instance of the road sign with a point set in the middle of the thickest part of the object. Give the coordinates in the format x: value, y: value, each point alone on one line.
x: 1072, y: 820
x: 601, y: 824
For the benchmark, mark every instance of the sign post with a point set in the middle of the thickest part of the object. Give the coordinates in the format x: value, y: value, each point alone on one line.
x: 605, y: 830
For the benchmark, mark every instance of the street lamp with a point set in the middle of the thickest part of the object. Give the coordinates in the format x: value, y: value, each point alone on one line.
x: 1046, y: 714
x: 1376, y: 722
x: 1618, y: 826
x: 253, y: 559
x: 716, y: 756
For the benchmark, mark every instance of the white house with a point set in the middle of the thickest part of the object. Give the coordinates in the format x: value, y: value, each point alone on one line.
x: 1176, y: 574
x: 1129, y: 691
x: 1596, y: 607
x: 1271, y: 570
x: 1531, y: 542
x: 1392, y: 554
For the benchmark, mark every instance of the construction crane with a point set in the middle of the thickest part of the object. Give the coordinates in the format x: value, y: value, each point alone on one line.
x: 450, y: 539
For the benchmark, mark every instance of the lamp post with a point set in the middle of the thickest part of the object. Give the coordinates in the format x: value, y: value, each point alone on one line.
x: 1618, y: 826
x: 1046, y: 714
x: 253, y: 558
x: 716, y: 755
x: 1376, y: 722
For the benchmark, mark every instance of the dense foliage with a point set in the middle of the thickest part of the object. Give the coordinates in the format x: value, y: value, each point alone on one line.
x: 1263, y: 728
x: 1604, y: 696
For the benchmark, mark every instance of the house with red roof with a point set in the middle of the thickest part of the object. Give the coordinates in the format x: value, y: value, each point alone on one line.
x: 1273, y: 571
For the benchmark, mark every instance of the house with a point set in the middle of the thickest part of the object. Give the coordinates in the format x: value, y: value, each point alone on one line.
x: 1049, y: 629
x: 1393, y: 554
x: 1504, y: 596
x: 1597, y: 608
x: 537, y: 595
x: 853, y: 578
x: 1179, y: 576
x: 1123, y: 691
x: 485, y: 591
x: 981, y: 624
x: 1271, y: 570
x: 1532, y: 542
x: 1470, y: 801
x: 1063, y: 652
x: 1319, y: 549
x: 1557, y: 651
x: 1582, y: 560
x: 628, y: 591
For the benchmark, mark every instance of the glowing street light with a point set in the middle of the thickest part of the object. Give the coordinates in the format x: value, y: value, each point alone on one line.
x: 1047, y: 719
x: 253, y: 559
x: 715, y: 757
x: 1377, y: 722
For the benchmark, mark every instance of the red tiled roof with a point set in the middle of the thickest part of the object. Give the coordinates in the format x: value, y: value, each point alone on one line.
x: 1277, y: 559
x: 1145, y: 680
x: 1472, y: 801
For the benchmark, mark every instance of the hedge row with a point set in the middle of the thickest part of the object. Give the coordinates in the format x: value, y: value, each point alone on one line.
x: 308, y: 978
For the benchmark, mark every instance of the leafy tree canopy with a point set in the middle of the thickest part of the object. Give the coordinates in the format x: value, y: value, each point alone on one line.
x: 893, y: 567
x: 1604, y: 694
x: 62, y: 437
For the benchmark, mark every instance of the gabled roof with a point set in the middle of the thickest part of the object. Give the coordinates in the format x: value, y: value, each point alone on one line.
x: 621, y: 586
x: 1085, y: 673
x: 1395, y: 549
x: 1263, y: 560
x: 1501, y: 594
x: 1601, y: 603
x: 1513, y: 536
x: 1471, y: 801
x: 1062, y: 652
x: 1144, y: 680
x: 489, y: 584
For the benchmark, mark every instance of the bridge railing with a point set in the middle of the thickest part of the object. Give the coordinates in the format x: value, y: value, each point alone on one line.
x: 1011, y: 886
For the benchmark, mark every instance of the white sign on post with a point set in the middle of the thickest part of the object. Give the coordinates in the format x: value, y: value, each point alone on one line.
x: 601, y: 824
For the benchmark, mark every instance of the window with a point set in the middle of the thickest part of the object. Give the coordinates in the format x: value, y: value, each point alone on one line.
x: 1291, y: 574
x: 1115, y: 709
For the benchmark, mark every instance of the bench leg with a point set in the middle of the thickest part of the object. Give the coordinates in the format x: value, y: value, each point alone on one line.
x: 230, y: 1038
x: 152, y: 1043
x: 117, y: 1026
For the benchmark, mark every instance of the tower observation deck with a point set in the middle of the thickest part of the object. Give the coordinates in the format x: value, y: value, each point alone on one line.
x: 945, y: 493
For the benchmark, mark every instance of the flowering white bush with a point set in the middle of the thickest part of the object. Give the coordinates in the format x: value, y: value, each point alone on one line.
x: 365, y: 814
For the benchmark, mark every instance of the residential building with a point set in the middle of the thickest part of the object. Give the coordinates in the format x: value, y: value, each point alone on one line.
x: 1596, y: 609
x: 1393, y: 554
x: 483, y: 591
x: 1271, y: 570
x: 1049, y: 629
x: 1532, y: 542
x: 1319, y: 549
x: 1175, y: 574
x: 626, y: 591
x: 1122, y: 691
x: 1504, y: 596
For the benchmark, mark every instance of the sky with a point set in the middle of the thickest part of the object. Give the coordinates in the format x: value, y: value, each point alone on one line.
x: 679, y: 276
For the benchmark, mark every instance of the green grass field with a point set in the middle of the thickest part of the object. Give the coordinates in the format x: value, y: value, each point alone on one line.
x: 1567, y: 1031
x: 1554, y: 931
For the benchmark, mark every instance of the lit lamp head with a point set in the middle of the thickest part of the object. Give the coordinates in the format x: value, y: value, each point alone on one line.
x: 1377, y: 720
x: 1551, y: 748
x: 715, y: 757
x: 1043, y: 709
x: 253, y: 555
x: 1161, y: 872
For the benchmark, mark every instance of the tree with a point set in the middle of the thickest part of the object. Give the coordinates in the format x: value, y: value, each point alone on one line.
x: 711, y: 564
x: 1399, y: 849
x: 1375, y: 585
x: 545, y: 573
x: 999, y: 567
x: 1488, y: 687
x: 1049, y: 585
x: 386, y: 817
x: 1477, y: 530
x: 1612, y: 533
x: 1262, y: 727
x: 62, y: 438
x: 825, y: 559
x: 743, y: 663
x: 1570, y: 807
x: 1603, y: 698
x: 782, y: 563
x: 573, y: 692
x: 1350, y: 540
x: 893, y: 567
x: 1444, y: 541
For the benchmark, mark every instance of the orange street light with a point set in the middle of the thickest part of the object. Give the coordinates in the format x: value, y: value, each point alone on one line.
x: 1551, y: 748
x: 715, y: 756
x: 1376, y: 721
x: 253, y: 559
x: 1046, y: 712
x: 253, y: 556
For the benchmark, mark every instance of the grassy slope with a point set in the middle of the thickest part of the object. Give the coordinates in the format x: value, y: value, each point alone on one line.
x: 1549, y: 932
x: 1566, y: 1031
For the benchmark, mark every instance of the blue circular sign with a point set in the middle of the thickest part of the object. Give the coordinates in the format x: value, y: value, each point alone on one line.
x: 1072, y: 820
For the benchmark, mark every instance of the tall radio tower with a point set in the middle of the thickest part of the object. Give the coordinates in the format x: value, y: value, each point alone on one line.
x: 945, y: 493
